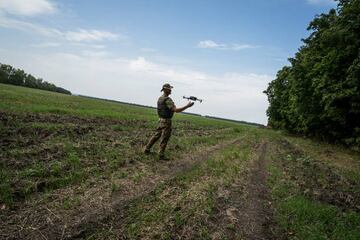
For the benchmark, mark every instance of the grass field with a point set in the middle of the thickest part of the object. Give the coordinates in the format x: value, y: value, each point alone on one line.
x: 73, y: 168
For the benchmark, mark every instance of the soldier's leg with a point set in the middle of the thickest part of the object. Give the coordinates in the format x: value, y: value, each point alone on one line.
x: 165, y: 136
x: 153, y: 139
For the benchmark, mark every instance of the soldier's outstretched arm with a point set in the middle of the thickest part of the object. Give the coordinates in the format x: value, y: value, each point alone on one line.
x: 177, y: 110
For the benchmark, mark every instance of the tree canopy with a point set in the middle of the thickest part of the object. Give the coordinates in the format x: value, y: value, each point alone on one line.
x: 11, y: 75
x: 319, y: 93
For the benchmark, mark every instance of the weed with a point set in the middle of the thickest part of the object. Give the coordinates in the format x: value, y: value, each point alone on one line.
x: 115, y: 187
x: 300, y: 215
x: 121, y: 174
x: 68, y: 203
x: 6, y: 193
x: 118, y: 128
x: 138, y: 176
x: 313, y: 220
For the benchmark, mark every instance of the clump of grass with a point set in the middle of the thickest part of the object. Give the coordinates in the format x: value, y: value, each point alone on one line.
x: 186, y: 200
x: 115, y: 187
x: 299, y: 215
x: 118, y: 128
x: 68, y: 202
x: 307, y: 219
x: 57, y: 153
x: 6, y: 194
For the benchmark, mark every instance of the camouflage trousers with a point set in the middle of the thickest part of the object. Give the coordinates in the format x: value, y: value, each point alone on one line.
x: 163, y: 131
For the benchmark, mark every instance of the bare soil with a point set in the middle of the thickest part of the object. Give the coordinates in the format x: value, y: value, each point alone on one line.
x: 255, y: 214
x: 40, y: 218
x: 245, y: 208
x: 9, y: 117
x: 121, y: 199
x: 319, y: 181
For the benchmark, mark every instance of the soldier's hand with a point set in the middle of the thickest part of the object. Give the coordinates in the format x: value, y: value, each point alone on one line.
x: 190, y: 104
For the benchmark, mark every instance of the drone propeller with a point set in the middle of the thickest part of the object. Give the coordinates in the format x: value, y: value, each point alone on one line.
x: 192, y: 98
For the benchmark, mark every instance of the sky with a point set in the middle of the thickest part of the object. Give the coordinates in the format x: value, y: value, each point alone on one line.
x: 222, y: 51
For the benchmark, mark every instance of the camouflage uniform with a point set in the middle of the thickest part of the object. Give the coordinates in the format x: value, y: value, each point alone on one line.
x: 163, y: 131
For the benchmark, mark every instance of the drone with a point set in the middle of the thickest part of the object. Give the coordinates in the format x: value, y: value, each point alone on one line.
x: 192, y: 98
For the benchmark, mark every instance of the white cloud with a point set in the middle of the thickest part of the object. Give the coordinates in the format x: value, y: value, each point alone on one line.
x: 183, y: 76
x: 142, y: 65
x: 88, y: 45
x: 90, y: 35
x: 242, y: 46
x: 222, y: 46
x: 210, y: 44
x: 150, y: 50
x: 231, y: 95
x: 29, y: 27
x: 321, y: 2
x: 97, y: 46
x: 46, y: 45
x: 95, y: 54
x: 82, y: 35
x: 27, y: 7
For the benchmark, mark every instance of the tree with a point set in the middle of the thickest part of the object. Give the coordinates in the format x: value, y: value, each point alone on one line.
x: 319, y: 93
x: 10, y: 75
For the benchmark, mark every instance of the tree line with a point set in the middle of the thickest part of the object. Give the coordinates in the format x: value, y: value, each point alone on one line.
x: 319, y: 93
x: 11, y: 75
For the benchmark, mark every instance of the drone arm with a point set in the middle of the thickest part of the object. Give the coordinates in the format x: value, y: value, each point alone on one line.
x: 192, y: 98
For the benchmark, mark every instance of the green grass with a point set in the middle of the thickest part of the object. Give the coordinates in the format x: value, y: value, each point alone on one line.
x: 314, y: 220
x: 6, y: 192
x: 21, y: 99
x: 52, y: 152
x: 60, y: 150
x: 300, y: 215
x: 184, y: 202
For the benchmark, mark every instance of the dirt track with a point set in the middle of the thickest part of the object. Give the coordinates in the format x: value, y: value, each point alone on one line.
x: 120, y: 200
x: 255, y: 214
x: 101, y: 207
x: 248, y: 206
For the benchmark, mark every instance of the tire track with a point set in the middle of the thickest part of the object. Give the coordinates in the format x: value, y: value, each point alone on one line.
x: 247, y: 208
x: 120, y: 202
x: 255, y: 215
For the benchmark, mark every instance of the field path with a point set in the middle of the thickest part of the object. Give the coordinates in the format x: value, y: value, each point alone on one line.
x: 247, y: 208
x: 121, y: 199
x: 255, y: 214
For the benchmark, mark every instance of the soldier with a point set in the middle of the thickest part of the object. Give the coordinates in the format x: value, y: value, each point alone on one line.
x: 166, y: 109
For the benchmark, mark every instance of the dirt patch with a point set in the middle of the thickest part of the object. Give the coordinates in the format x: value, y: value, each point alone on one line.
x: 255, y: 215
x: 10, y: 117
x: 121, y: 199
x: 45, y: 221
x: 32, y: 138
x: 245, y: 207
x: 99, y: 207
x: 319, y: 181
